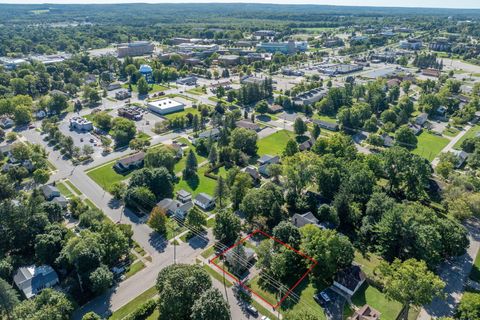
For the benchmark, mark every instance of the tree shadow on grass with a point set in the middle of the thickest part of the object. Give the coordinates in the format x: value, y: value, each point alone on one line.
x: 193, y: 182
x: 301, y: 139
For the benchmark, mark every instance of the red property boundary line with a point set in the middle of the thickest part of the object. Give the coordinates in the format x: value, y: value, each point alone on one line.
x: 314, y: 263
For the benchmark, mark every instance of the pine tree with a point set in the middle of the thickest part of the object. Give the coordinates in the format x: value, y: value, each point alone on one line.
x: 191, y: 165
x: 221, y: 191
x: 213, y: 155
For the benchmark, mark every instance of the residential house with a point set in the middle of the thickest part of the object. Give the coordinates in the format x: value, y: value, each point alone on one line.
x: 208, y: 134
x: 300, y: 220
x: 461, y: 157
x: 253, y: 172
x: 365, y: 313
x: 131, y: 162
x: 431, y: 72
x: 268, y: 159
x: 350, y: 279
x: 231, y: 256
x: 184, y: 196
x: 247, y: 124
x: 415, y: 128
x: 122, y: 95
x: 326, y: 125
x: 421, y: 119
x: 275, y: 108
x: 175, y: 208
x: 31, y: 280
x: 387, y: 140
x: 306, y: 145
x: 6, y: 123
x: 204, y: 201
x: 50, y: 191
x: 61, y: 201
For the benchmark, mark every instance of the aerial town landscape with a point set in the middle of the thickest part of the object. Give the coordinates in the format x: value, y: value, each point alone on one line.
x: 239, y: 161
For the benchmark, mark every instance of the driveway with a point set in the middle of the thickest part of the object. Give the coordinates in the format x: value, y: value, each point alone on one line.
x: 334, y: 308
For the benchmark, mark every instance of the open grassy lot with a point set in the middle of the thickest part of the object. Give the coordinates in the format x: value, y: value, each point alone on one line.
x: 470, y: 134
x: 182, y: 114
x: 198, y: 184
x: 376, y: 299
x: 197, y: 91
x: 368, y: 262
x: 430, y: 145
x: 475, y: 273
x: 208, y: 252
x: 180, y: 165
x: 274, y: 144
x: 451, y: 132
x: 322, y: 117
x: 153, y: 87
x: 105, y: 176
x: 134, y: 304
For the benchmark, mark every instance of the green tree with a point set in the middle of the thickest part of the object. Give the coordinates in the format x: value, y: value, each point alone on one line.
x: 179, y: 287
x: 123, y: 130
x: 191, y: 165
x: 301, y: 315
x: 400, y: 277
x: 469, y: 307
x: 49, y: 304
x: 157, y: 180
x: 210, y: 305
x: 22, y: 115
x: 213, y: 155
x: 405, y: 137
x: 291, y: 148
x: 244, y: 140
x: 41, y: 176
x: 261, y: 107
x: 299, y: 126
x: 57, y: 103
x: 142, y: 86
x: 227, y: 227
x: 315, y: 131
x: 101, y: 279
x: 8, y: 299
x: 158, y: 220
x: 118, y: 190
x: 160, y: 157
x: 91, y: 316
x: 196, y: 220
x: 221, y: 191
x: 49, y: 244
x: 140, y: 198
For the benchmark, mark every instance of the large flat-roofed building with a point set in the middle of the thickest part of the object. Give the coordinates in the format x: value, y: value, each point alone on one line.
x: 229, y: 60
x: 340, y: 69
x: 411, y: 44
x: 81, y: 124
x: 187, y: 81
x: 165, y: 106
x: 51, y: 58
x: 11, y: 63
x: 309, y: 97
x: 137, y: 48
x: 273, y: 47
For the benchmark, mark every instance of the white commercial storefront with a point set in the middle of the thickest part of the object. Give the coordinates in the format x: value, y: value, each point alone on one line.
x: 165, y: 106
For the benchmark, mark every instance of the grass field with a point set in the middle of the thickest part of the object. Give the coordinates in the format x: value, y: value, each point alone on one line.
x: 134, y: 304
x: 470, y: 134
x: 153, y: 87
x: 429, y: 145
x: 64, y: 190
x: 72, y: 186
x: 368, y: 262
x: 197, y: 91
x: 90, y: 204
x: 274, y: 144
x: 322, y: 117
x: 376, y: 299
x: 451, y: 132
x: 475, y: 273
x: 208, y: 252
x: 198, y: 184
x: 217, y: 275
x: 105, y: 175
x: 183, y: 113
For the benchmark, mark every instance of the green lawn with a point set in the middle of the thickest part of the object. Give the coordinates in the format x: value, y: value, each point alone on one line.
x: 197, y: 91
x: 134, y: 304
x: 429, y: 145
x: 182, y: 114
x: 64, y: 190
x: 198, y: 184
x: 90, y: 204
x: 451, y: 132
x: 475, y: 273
x: 217, y: 275
x: 72, y: 186
x: 105, y: 175
x: 322, y: 117
x: 275, y: 143
x: 143, y: 136
x: 153, y: 87
x: 208, y: 252
x: 470, y: 134
x: 376, y: 299
x: 368, y: 262
x: 173, y: 229
x: 134, y: 268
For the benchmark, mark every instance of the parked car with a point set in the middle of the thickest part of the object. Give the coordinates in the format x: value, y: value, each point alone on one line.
x: 251, y: 309
x: 265, y: 318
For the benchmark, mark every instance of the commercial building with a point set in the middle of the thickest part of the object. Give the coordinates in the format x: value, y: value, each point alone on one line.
x: 341, y: 68
x: 440, y: 44
x: 122, y: 95
x: 165, y: 106
x: 51, y: 58
x: 137, y: 48
x: 11, y: 63
x: 130, y: 113
x: 259, y: 34
x: 273, y: 47
x: 188, y: 81
x: 411, y: 44
x: 229, y: 60
x: 81, y: 124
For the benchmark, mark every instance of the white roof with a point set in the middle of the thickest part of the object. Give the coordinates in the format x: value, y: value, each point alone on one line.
x: 165, y: 104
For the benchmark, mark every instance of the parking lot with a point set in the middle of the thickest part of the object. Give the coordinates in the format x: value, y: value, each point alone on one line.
x: 82, y: 138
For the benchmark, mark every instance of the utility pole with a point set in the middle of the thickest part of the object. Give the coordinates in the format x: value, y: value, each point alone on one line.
x: 175, y: 245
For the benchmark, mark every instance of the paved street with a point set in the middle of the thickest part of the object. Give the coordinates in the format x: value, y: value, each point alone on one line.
x: 454, y: 273
x: 450, y: 145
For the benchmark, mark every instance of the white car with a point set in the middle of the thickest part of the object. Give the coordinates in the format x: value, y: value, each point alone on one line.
x: 265, y: 318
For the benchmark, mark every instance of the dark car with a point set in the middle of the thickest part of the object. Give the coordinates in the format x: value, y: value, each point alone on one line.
x: 251, y: 309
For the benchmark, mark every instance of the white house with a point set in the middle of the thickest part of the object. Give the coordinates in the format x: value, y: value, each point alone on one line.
x: 204, y: 201
x: 350, y: 280
x: 33, y: 279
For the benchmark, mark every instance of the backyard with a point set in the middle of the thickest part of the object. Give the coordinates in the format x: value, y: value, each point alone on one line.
x: 372, y: 296
x: 429, y: 145
x: 275, y: 143
x: 470, y: 134
x: 105, y: 175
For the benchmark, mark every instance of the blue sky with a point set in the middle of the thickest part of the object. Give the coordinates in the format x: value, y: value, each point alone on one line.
x: 384, y: 3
